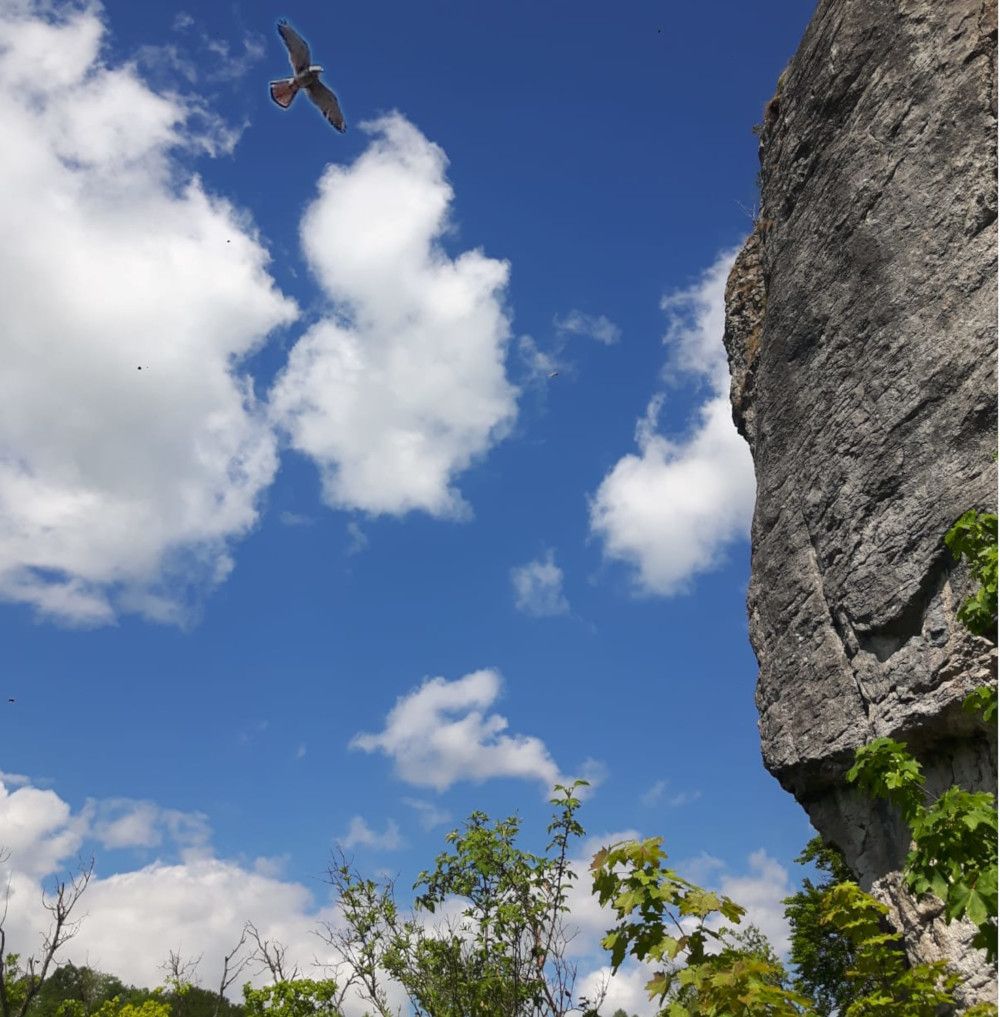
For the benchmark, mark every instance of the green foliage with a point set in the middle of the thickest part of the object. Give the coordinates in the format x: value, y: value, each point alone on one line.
x: 16, y: 984
x: 664, y: 919
x: 982, y: 701
x: 954, y: 838
x: 889, y: 987
x: 821, y: 954
x: 973, y: 537
x: 83, y: 984
x: 502, y: 954
x: 710, y: 971
x: 152, y: 1006
x: 743, y: 948
x: 954, y: 853
x: 83, y: 991
x: 187, y: 1000
x: 885, y: 769
x: 296, y: 997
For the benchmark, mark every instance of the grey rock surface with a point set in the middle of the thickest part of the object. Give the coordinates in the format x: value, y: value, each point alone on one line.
x: 861, y: 331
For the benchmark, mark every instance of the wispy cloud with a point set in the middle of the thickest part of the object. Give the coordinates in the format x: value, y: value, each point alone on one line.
x: 429, y: 815
x: 538, y: 587
x: 657, y: 794
x: 227, y: 65
x: 593, y: 326
x: 672, y: 510
x: 252, y: 730
x: 539, y: 365
x: 543, y: 361
x: 360, y: 834
x: 287, y: 518
x: 357, y: 538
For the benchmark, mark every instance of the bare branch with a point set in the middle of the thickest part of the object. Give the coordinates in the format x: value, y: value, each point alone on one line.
x: 232, y: 968
x: 60, y: 904
x: 271, y: 954
x: 179, y: 972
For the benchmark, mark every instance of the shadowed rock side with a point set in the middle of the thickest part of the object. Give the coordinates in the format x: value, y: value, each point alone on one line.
x: 861, y: 331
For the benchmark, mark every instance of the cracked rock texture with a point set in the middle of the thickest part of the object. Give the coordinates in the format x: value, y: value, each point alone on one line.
x: 861, y: 332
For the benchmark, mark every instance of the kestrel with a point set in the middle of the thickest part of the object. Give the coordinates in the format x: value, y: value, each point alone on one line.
x: 307, y: 77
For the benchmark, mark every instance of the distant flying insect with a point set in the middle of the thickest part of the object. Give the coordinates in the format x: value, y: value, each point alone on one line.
x: 553, y: 374
x: 307, y: 77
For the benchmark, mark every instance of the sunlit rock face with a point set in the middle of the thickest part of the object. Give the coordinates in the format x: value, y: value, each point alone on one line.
x: 861, y: 332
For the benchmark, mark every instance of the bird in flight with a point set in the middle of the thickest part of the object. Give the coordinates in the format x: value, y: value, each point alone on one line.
x: 306, y: 76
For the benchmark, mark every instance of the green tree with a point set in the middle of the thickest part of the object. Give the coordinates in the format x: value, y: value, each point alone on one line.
x: 298, y: 997
x: 88, y: 990
x: 665, y: 920
x: 741, y: 949
x: 152, y: 1006
x: 883, y: 983
x: 821, y: 955
x: 502, y: 954
x: 83, y: 985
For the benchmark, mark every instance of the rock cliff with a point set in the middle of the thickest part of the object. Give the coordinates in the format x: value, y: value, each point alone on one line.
x: 861, y: 332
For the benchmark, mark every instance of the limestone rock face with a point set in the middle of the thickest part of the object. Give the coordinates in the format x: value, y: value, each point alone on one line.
x: 861, y: 332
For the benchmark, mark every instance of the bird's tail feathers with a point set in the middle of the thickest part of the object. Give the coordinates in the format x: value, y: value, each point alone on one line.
x: 284, y: 91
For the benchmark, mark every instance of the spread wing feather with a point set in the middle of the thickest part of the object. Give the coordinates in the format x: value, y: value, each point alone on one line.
x: 298, y: 50
x: 328, y: 105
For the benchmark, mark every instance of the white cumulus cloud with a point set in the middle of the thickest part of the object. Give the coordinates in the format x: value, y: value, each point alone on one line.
x: 538, y: 587
x: 132, y: 450
x: 402, y: 386
x: 625, y: 990
x: 761, y: 891
x: 442, y: 733
x: 671, y: 510
x: 130, y: 919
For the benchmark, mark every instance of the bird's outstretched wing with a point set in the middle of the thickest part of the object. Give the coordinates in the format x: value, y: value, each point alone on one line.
x: 298, y: 49
x: 328, y: 105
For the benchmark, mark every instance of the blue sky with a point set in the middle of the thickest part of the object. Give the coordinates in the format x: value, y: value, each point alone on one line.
x: 441, y: 400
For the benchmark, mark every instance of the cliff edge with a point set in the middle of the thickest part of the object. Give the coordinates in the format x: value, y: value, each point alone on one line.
x: 862, y: 336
